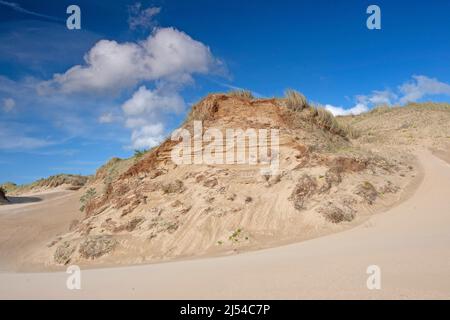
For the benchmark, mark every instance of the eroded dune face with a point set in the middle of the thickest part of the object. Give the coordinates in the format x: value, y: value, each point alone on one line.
x: 331, y: 174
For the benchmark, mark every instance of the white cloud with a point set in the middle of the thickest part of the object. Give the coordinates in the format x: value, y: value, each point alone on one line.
x: 377, y: 98
x: 421, y: 86
x: 165, y: 54
x: 9, y: 104
x: 142, y: 18
x: 339, y: 111
x: 144, y: 113
x: 168, y: 59
x: 147, y: 102
x: 411, y: 91
x: 147, y: 136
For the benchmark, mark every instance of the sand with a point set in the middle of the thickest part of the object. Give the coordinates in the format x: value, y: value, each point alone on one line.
x: 410, y: 243
x: 32, y: 221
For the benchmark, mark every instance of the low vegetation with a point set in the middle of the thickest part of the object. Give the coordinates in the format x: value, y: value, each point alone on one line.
x: 295, y: 100
x: 3, y: 198
x: 176, y: 186
x: 335, y: 214
x: 64, y: 253
x: 140, y: 153
x: 305, y: 187
x: 237, y: 236
x: 380, y: 109
x: 87, y: 198
x: 241, y: 93
x: 9, y: 187
x: 71, y: 181
x: 367, y: 191
x: 96, y: 246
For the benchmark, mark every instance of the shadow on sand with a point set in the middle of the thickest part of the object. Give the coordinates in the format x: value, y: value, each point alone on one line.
x: 17, y: 200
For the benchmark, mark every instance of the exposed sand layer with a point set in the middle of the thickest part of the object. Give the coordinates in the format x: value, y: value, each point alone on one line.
x: 410, y: 243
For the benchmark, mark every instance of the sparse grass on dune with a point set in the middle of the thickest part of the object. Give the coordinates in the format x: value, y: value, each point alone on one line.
x: 9, y: 187
x: 429, y: 106
x: 318, y: 115
x: 328, y: 121
x: 241, y: 93
x: 74, y: 182
x: 295, y: 100
x: 350, y: 131
x: 380, y: 109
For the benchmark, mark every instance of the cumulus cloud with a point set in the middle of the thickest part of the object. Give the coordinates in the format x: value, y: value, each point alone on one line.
x: 146, y: 102
x: 144, y: 113
x: 166, y: 61
x: 411, y: 91
x: 421, y: 86
x: 377, y: 98
x: 142, y: 18
x: 147, y: 136
x: 166, y: 54
x: 9, y: 104
x: 339, y: 111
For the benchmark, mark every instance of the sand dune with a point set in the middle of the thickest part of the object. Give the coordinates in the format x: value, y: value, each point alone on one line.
x: 410, y: 243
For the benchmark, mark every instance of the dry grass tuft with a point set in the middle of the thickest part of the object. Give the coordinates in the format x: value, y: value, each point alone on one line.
x: 350, y: 131
x: 380, y: 109
x: 335, y: 214
x: 429, y: 106
x: 305, y: 187
x: 241, y: 93
x: 295, y: 100
x: 63, y: 253
x: 97, y: 246
x: 326, y: 120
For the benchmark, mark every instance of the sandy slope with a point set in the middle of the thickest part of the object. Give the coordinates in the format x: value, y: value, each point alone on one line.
x: 29, y: 223
x: 410, y: 243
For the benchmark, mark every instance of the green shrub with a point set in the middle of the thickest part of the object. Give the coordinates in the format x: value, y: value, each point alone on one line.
x: 140, y: 153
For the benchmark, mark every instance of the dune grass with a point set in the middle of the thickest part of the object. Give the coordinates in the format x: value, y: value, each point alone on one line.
x: 241, y: 93
x: 295, y: 100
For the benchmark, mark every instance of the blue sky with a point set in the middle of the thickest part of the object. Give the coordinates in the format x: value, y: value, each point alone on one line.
x: 72, y: 99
